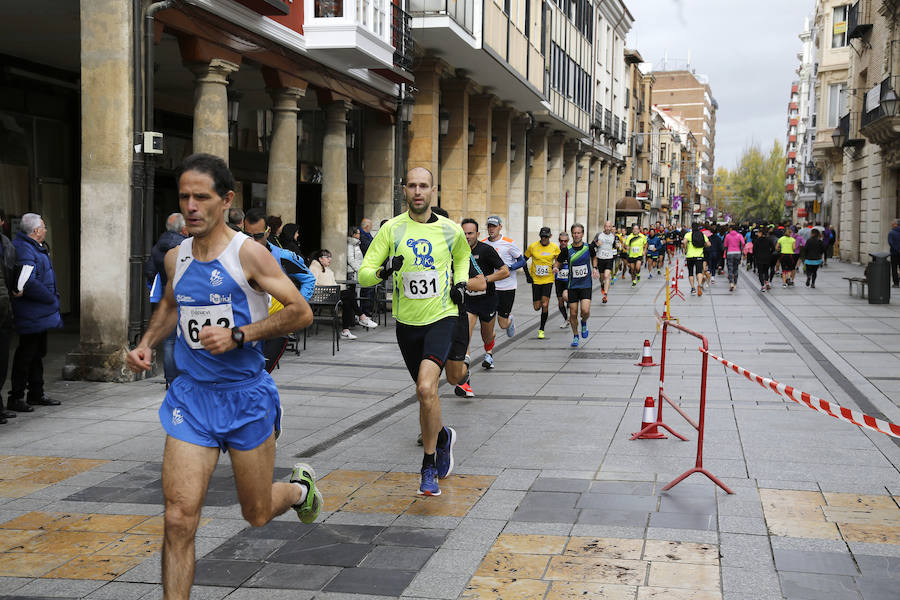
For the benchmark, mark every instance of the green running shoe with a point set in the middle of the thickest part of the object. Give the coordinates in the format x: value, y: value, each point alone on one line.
x: 308, y: 510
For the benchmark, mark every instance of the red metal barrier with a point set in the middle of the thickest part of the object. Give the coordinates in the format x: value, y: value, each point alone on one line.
x: 704, y: 351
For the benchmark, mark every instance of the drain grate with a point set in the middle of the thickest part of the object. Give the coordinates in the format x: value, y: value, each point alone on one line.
x: 781, y: 350
x: 608, y: 355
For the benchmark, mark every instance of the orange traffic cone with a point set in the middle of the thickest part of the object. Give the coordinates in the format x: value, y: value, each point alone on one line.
x: 647, y: 359
x: 648, y: 424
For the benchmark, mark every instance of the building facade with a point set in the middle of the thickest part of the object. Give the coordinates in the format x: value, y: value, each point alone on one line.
x: 687, y: 94
x: 506, y: 109
x: 296, y: 96
x: 519, y: 108
x: 857, y: 147
x: 831, y: 71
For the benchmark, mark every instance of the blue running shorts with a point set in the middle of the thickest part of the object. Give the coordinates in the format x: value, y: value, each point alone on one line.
x: 240, y: 415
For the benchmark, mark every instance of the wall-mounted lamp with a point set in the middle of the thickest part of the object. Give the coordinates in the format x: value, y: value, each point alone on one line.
x: 530, y: 157
x: 493, y: 145
x: 579, y: 171
x: 890, y: 104
x: 471, y: 134
x: 406, y: 109
x: 591, y: 174
x: 512, y: 153
x: 443, y: 121
x: 351, y: 140
x: 838, y: 138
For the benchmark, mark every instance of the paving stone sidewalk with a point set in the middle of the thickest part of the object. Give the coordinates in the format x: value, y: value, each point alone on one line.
x: 549, y: 500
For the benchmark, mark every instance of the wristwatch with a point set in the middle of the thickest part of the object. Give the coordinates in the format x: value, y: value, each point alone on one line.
x: 238, y: 336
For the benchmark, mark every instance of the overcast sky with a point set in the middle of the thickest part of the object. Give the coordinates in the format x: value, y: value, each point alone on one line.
x: 748, y: 51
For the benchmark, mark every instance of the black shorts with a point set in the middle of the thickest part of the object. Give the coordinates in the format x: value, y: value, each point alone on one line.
x: 578, y: 294
x: 694, y: 264
x: 505, y: 301
x: 788, y: 262
x: 634, y: 259
x: 540, y: 291
x: 460, y: 345
x: 604, y: 264
x: 425, y: 342
x: 561, y: 286
x: 484, y: 306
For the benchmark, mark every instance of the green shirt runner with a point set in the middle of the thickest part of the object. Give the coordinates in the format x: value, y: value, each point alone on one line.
x: 435, y: 258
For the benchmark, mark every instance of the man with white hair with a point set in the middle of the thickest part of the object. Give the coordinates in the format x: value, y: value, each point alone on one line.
x: 36, y: 310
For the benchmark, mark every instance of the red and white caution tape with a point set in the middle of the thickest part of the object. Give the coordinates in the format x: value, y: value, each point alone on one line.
x: 818, y: 404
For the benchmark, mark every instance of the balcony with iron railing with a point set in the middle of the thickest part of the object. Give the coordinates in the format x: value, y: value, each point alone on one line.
x: 461, y: 11
x: 856, y: 27
x: 401, y: 36
x: 881, y: 124
x: 607, y: 121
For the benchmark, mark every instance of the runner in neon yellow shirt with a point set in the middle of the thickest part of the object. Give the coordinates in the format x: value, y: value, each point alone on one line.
x: 636, y: 243
x: 785, y: 246
x: 427, y: 257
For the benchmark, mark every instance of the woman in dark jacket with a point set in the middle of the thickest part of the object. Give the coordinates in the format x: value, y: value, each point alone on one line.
x: 813, y: 253
x: 763, y: 254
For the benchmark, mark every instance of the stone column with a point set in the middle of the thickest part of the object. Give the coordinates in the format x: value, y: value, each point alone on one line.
x: 582, y: 196
x: 479, y: 176
x: 454, y: 169
x: 424, y: 129
x: 281, y: 197
x: 107, y: 127
x: 515, y: 225
x: 603, y: 193
x: 378, y: 155
x: 568, y: 199
x: 334, y: 186
x: 211, y: 106
x: 537, y: 183
x: 553, y: 201
x: 498, y: 202
x: 595, y: 210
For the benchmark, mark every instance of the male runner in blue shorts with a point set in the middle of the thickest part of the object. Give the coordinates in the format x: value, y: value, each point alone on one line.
x: 217, y: 297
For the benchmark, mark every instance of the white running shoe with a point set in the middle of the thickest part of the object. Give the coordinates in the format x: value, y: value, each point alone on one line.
x: 368, y: 323
x: 347, y: 335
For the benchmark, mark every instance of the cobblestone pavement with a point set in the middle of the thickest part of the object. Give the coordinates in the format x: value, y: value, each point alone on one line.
x: 549, y: 499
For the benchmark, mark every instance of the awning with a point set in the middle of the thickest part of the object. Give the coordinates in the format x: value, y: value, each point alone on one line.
x: 629, y: 204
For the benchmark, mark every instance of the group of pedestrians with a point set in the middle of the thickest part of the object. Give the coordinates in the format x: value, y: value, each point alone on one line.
x: 29, y: 306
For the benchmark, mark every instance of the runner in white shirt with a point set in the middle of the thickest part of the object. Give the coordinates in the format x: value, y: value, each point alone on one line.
x: 513, y: 257
x: 606, y: 244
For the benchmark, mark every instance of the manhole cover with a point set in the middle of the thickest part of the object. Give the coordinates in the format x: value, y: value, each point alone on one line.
x: 608, y: 355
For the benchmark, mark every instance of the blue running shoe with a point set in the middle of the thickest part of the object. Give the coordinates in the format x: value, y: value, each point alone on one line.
x: 429, y: 485
x: 444, y: 454
x: 574, y: 343
x: 488, y: 362
x: 584, y: 330
x: 511, y: 330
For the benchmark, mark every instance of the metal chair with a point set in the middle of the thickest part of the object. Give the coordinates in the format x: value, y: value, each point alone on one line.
x: 327, y: 306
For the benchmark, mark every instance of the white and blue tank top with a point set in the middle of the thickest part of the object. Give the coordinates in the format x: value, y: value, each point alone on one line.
x: 216, y: 292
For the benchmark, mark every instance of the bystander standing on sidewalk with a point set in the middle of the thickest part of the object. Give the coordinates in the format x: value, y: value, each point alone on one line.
x: 36, y: 311
x: 894, y: 243
x: 830, y: 238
